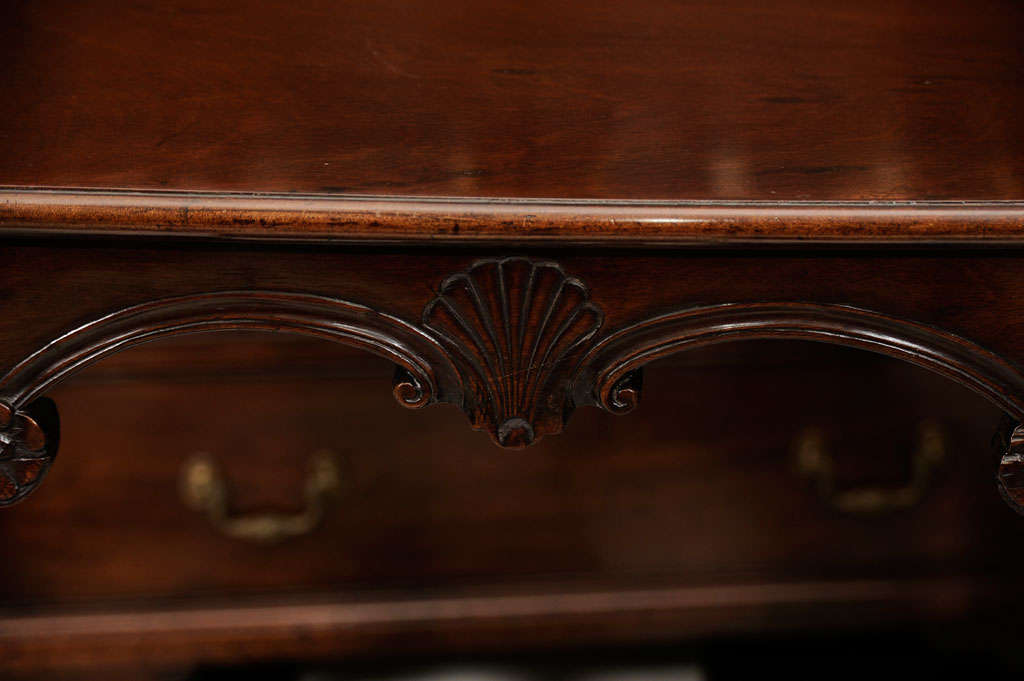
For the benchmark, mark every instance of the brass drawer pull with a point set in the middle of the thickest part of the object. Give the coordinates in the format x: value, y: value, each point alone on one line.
x: 204, y: 489
x: 814, y: 461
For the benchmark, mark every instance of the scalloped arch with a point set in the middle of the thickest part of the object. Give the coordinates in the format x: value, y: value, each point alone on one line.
x: 439, y: 359
x: 310, y: 315
x: 29, y: 428
x: 609, y: 379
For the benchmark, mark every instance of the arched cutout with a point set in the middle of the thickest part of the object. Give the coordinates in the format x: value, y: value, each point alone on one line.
x: 608, y: 376
x: 604, y: 372
x: 29, y: 428
x: 416, y: 352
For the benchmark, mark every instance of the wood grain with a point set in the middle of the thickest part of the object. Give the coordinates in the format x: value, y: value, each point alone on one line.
x: 964, y: 294
x: 514, y: 222
x: 686, y: 519
x: 176, y: 150
x: 517, y: 343
x: 426, y: 502
x: 735, y: 99
x: 461, y: 624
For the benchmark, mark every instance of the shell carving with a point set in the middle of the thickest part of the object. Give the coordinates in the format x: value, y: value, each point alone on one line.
x: 517, y: 329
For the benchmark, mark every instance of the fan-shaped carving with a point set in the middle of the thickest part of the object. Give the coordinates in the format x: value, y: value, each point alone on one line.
x: 516, y: 329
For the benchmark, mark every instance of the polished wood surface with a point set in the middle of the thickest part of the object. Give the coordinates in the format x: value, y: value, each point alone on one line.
x: 780, y: 101
x: 966, y: 293
x: 426, y: 503
x: 132, y: 294
x: 690, y: 520
x: 464, y: 623
x: 521, y: 210
x: 281, y: 218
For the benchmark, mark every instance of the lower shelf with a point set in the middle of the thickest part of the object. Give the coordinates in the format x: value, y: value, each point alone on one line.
x: 468, y: 621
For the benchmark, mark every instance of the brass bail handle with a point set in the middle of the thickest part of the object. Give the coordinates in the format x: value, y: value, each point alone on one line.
x: 814, y: 461
x: 204, y: 489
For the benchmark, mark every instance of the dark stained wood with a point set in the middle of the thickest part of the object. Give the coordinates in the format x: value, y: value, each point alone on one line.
x: 423, y: 497
x: 518, y: 329
x: 621, y: 502
x: 612, y: 362
x: 29, y: 440
x: 369, y: 173
x: 517, y: 343
x: 614, y: 531
x: 737, y: 99
x: 1010, y: 476
x: 416, y: 352
x: 471, y: 624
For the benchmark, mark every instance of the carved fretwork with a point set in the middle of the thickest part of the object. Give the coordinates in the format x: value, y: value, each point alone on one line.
x: 516, y: 329
x: 28, y: 444
x: 516, y: 343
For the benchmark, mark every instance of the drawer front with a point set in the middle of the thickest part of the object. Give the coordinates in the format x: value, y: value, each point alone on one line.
x: 738, y: 467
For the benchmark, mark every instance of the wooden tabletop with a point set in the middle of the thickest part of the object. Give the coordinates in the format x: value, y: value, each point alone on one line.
x: 651, y: 100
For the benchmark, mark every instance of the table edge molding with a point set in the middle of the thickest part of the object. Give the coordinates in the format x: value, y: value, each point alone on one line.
x: 390, y: 220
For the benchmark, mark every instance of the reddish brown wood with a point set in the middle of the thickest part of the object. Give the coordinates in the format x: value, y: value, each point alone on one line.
x: 515, y: 342
x: 397, y: 286
x: 734, y: 99
x: 452, y: 221
x: 609, y: 370
x: 417, y: 353
x: 386, y: 156
x: 602, y: 521
x: 29, y: 439
x: 517, y: 328
x: 427, y: 502
x: 467, y: 623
